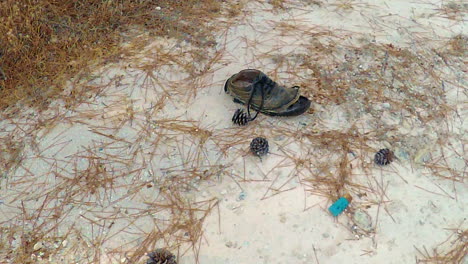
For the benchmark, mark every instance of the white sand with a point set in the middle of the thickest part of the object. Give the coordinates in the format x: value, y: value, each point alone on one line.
x: 409, y: 208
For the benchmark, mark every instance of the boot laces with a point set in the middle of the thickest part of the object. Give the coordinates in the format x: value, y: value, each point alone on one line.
x: 265, y: 85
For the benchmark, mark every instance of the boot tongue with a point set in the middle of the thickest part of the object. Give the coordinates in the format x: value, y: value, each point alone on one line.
x: 262, y: 82
x: 276, y: 96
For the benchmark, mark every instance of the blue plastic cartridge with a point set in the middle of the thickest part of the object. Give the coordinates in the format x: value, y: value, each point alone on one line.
x: 339, y: 206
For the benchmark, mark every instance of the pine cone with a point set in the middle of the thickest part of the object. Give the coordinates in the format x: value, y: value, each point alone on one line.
x: 259, y: 146
x: 384, y: 157
x: 161, y: 256
x: 240, y: 118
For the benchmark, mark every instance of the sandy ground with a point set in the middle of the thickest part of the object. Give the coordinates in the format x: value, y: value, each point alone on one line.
x: 175, y: 130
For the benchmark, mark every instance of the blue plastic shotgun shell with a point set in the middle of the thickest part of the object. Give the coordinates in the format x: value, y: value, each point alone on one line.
x: 339, y: 206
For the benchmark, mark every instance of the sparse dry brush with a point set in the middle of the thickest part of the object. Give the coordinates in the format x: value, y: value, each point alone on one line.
x: 45, y: 43
x: 49, y: 46
x: 452, y: 250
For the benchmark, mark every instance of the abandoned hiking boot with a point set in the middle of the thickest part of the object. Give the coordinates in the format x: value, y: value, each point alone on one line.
x: 256, y: 90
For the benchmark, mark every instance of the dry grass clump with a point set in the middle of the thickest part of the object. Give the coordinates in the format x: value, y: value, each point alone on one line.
x: 453, y: 10
x: 44, y: 43
x: 30, y: 239
x: 458, y: 46
x: 453, y: 250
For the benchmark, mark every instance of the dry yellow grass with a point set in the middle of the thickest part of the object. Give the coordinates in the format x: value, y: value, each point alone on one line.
x: 44, y: 43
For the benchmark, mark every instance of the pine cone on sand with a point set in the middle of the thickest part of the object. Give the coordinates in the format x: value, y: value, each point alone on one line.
x: 259, y: 146
x: 161, y: 256
x: 240, y: 118
x: 384, y: 157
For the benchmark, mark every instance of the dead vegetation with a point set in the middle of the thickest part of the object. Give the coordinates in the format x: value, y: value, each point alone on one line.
x: 131, y: 184
x: 453, y: 250
x: 453, y: 10
x: 45, y: 43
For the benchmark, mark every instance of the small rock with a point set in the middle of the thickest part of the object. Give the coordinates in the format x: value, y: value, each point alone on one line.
x: 402, y: 154
x: 64, y: 243
x: 279, y: 138
x: 363, y: 220
x: 423, y: 155
x: 224, y: 192
x: 38, y: 246
x: 283, y: 218
x: 242, y: 196
x: 229, y: 244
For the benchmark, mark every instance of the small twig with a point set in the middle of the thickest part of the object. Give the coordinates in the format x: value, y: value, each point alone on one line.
x: 315, y: 254
x: 432, y: 192
x: 384, y: 64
